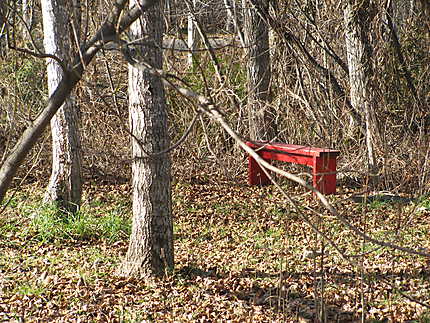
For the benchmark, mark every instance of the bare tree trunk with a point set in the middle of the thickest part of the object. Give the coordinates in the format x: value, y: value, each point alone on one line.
x: 229, y: 24
x: 168, y: 13
x: 232, y: 20
x: 356, y: 15
x: 150, y: 250
x: 192, y: 31
x: 3, y: 13
x: 27, y: 17
x: 65, y: 184
x: 261, y: 118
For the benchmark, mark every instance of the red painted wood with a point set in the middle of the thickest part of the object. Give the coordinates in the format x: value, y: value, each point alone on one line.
x: 256, y: 176
x: 282, y: 156
x: 324, y: 174
x: 293, y: 149
x: 322, y: 161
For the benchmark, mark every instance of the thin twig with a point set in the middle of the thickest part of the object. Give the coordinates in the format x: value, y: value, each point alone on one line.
x: 210, y: 109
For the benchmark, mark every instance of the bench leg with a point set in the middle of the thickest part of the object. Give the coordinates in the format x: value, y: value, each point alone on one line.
x: 325, y: 183
x: 256, y: 176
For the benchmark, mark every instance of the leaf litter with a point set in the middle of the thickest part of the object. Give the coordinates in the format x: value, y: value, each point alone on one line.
x: 242, y: 255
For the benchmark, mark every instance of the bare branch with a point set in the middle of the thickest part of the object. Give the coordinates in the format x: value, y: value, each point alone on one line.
x: 210, y: 109
x: 116, y: 23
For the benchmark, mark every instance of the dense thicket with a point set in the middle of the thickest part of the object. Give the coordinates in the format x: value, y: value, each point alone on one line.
x: 309, y: 92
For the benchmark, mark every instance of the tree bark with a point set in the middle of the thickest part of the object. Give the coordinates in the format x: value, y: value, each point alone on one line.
x: 150, y: 250
x: 27, y: 16
x: 65, y: 184
x: 261, y: 118
x: 3, y: 13
x: 232, y: 20
x: 357, y: 16
x: 193, y: 37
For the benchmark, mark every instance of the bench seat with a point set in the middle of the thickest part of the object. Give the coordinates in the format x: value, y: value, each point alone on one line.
x: 322, y: 161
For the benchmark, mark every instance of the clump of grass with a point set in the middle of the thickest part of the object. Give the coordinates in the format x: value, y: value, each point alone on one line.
x: 28, y: 290
x: 49, y: 223
x: 424, y: 202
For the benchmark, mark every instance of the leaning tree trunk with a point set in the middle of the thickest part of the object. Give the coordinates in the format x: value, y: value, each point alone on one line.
x: 357, y: 18
x: 261, y: 118
x: 150, y: 250
x: 65, y: 184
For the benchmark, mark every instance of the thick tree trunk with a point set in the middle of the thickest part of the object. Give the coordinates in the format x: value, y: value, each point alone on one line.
x: 65, y: 184
x: 261, y: 118
x: 150, y: 250
x: 356, y: 14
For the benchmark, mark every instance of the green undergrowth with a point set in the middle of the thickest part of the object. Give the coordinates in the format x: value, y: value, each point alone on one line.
x: 424, y: 202
x: 95, y: 220
x: 50, y: 224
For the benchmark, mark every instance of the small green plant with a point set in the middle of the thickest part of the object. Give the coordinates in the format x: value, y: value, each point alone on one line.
x: 372, y: 203
x: 8, y: 226
x: 378, y: 204
x: 425, y: 318
x: 424, y: 202
x: 115, y: 227
x: 47, y: 223
x: 27, y: 290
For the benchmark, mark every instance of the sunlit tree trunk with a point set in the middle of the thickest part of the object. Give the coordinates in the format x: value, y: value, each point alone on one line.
x: 65, y: 184
x: 27, y: 12
x: 168, y: 13
x: 193, y: 36
x: 356, y: 15
x: 233, y: 20
x: 3, y: 12
x: 256, y: 31
x: 28, y: 17
x: 150, y: 251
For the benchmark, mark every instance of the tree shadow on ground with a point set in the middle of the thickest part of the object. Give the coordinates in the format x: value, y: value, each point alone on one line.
x: 384, y: 198
x: 298, y: 303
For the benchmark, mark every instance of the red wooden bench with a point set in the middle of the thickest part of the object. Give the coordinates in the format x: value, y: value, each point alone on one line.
x: 322, y: 161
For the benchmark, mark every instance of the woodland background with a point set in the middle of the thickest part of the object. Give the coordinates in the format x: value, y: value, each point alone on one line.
x: 307, y: 109
x: 264, y: 273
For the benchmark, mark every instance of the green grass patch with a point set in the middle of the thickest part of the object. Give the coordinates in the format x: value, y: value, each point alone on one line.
x: 424, y: 202
x: 49, y: 223
x: 29, y: 290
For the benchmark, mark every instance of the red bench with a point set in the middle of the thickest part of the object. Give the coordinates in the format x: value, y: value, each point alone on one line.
x: 322, y: 161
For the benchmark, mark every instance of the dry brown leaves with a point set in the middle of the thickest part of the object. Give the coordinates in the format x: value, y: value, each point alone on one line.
x: 242, y: 255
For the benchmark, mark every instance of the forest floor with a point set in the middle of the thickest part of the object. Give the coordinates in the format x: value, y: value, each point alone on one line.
x: 242, y: 255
